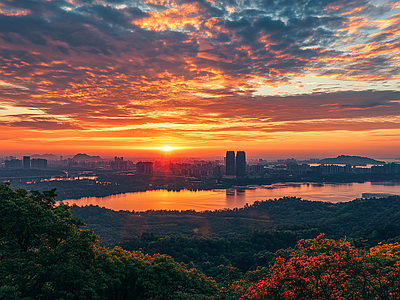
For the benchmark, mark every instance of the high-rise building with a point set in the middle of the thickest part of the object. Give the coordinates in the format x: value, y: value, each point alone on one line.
x: 26, y: 162
x: 230, y: 163
x: 145, y: 167
x: 13, y: 163
x: 118, y: 163
x: 240, y: 164
x: 39, y: 163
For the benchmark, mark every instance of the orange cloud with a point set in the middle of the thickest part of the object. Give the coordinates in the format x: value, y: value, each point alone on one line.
x: 172, y: 18
x: 122, y: 76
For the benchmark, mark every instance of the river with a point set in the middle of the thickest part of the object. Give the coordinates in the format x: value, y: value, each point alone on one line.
x: 231, y: 198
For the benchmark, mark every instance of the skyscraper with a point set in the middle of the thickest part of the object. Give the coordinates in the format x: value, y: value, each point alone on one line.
x: 230, y: 163
x: 26, y: 162
x: 240, y: 164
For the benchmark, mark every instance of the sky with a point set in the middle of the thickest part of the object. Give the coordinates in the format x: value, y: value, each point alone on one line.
x: 274, y: 78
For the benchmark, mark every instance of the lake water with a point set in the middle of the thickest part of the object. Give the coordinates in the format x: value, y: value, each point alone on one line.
x: 231, y: 198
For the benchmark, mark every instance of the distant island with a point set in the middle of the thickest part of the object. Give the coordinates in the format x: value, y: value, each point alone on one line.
x: 352, y: 160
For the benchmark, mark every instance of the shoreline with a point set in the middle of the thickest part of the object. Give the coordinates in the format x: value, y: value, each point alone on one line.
x: 270, y: 186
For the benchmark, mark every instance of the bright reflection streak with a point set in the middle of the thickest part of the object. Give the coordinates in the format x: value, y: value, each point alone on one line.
x: 231, y: 198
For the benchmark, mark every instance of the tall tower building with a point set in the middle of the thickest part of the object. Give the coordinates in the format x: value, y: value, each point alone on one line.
x: 240, y: 164
x: 230, y: 163
x: 26, y: 162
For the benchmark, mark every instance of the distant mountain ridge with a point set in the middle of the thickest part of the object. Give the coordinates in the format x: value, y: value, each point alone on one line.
x: 85, y: 157
x: 352, y: 160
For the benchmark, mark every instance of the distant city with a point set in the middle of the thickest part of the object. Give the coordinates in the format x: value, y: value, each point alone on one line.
x: 84, y: 175
x: 234, y: 165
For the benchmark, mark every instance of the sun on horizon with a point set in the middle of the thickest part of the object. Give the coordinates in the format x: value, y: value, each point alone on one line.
x: 166, y: 148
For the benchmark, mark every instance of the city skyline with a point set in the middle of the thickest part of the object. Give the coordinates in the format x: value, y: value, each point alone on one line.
x: 276, y: 79
x: 229, y: 158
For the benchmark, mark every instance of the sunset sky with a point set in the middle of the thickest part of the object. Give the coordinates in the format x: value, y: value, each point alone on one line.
x: 275, y: 78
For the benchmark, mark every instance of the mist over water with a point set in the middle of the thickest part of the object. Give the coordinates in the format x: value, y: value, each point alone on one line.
x: 231, y: 198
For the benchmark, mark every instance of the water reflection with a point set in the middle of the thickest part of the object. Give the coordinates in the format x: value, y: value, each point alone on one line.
x: 236, y: 197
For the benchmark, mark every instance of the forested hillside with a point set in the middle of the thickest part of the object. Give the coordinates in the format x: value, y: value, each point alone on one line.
x: 374, y: 220
x: 45, y: 253
x: 245, y: 239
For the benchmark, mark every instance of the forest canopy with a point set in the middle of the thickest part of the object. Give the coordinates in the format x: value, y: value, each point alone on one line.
x: 45, y: 253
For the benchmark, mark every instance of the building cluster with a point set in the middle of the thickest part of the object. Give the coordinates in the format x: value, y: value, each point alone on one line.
x: 26, y: 162
x: 233, y: 166
x: 70, y: 163
x: 118, y: 163
x: 11, y: 162
x: 303, y: 169
x: 145, y: 167
x: 392, y: 168
x: 198, y: 169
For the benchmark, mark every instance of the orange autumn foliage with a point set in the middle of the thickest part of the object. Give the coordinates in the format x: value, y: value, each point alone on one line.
x: 325, y: 269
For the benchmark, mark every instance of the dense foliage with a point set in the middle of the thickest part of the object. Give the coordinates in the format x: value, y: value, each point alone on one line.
x: 242, y: 253
x: 44, y: 254
x: 325, y: 269
x: 374, y: 220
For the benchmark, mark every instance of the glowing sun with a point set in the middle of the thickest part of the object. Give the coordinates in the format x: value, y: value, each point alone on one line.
x: 166, y: 148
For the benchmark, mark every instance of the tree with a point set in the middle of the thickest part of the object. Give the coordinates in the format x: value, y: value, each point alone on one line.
x: 384, y: 267
x: 134, y: 275
x: 45, y: 254
x: 316, y: 269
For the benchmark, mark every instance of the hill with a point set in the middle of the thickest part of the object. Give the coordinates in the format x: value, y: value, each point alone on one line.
x: 46, y: 254
x: 372, y: 219
x: 246, y: 239
x: 85, y: 157
x: 352, y: 160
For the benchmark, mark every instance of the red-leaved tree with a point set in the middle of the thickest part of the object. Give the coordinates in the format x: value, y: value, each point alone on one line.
x: 317, y: 269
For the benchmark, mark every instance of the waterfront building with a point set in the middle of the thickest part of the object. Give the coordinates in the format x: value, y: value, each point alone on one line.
x: 230, y: 163
x: 240, y: 164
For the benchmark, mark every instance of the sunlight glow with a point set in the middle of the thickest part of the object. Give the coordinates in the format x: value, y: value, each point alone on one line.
x: 166, y: 148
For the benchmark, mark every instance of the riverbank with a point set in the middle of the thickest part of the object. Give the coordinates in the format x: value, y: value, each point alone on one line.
x: 106, y: 183
x: 237, y: 197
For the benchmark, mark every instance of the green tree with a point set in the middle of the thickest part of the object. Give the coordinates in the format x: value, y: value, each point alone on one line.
x: 45, y: 254
x: 134, y: 275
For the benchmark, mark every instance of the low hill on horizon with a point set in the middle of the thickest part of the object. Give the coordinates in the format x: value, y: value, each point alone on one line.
x: 352, y: 160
